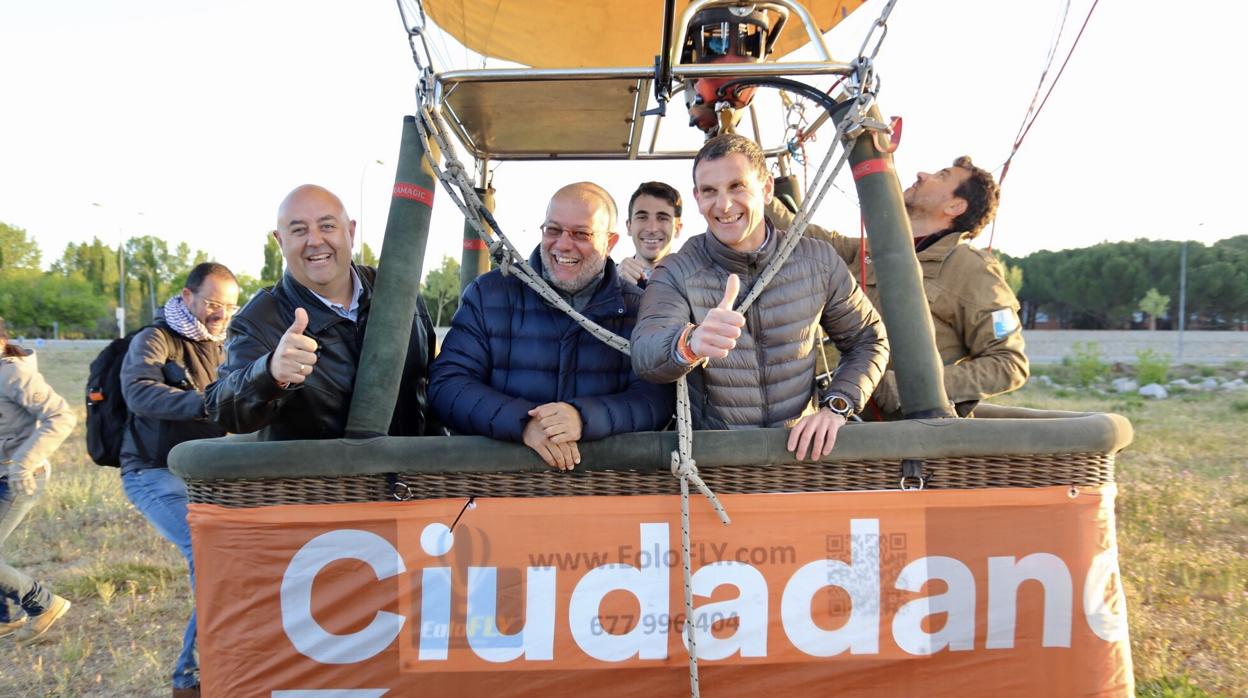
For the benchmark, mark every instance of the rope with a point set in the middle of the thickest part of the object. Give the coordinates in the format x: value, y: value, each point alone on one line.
x: 683, y: 465
x: 686, y: 469
x: 798, y: 228
x: 1025, y: 128
x: 461, y: 190
x: 510, y: 261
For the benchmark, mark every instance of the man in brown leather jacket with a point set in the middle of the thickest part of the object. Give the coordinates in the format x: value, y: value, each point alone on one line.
x: 755, y: 369
x: 292, y: 351
x: 974, y: 312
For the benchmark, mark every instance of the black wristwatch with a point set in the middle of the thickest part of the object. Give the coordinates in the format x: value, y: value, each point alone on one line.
x: 838, y: 404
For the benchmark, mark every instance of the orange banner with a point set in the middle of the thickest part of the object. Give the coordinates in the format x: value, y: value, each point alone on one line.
x: 978, y: 592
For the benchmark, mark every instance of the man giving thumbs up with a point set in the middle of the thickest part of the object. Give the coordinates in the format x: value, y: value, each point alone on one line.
x: 757, y: 368
x: 292, y: 351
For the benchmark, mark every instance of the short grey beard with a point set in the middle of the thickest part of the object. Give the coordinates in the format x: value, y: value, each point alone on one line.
x: 587, y: 275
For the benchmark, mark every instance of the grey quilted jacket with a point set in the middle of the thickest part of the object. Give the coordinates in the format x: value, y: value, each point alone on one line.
x: 34, y: 420
x: 768, y: 380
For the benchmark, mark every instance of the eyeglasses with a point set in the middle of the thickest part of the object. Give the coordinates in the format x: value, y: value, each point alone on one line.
x: 214, y: 306
x: 554, y: 232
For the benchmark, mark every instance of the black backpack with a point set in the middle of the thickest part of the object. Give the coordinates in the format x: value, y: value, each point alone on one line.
x: 107, y: 415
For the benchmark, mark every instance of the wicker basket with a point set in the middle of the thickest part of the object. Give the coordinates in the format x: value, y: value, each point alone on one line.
x: 1010, y: 448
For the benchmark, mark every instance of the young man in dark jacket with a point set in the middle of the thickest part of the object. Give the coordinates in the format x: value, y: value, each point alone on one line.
x: 292, y: 351
x: 653, y: 224
x: 516, y: 369
x: 163, y: 378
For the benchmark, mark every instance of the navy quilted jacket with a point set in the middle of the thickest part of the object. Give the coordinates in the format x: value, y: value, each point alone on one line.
x: 508, y: 352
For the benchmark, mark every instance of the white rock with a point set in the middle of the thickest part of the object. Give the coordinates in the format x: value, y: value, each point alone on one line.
x: 1180, y: 383
x: 1125, y: 385
x: 1209, y: 384
x: 1237, y: 384
x: 1154, y: 391
x: 1043, y: 380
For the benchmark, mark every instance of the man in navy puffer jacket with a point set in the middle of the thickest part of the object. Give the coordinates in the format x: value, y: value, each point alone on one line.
x: 514, y: 368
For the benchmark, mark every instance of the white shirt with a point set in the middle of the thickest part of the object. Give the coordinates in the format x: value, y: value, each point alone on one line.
x: 351, y: 312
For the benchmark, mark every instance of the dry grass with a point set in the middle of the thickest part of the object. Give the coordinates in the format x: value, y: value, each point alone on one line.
x: 1183, y: 537
x: 1183, y: 534
x: 86, y: 541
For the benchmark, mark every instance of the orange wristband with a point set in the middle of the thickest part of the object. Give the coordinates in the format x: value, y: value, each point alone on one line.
x: 682, y: 346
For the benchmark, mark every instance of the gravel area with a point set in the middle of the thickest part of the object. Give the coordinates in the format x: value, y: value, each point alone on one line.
x: 1049, y: 346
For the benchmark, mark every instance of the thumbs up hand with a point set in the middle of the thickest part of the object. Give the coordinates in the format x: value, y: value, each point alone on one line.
x: 717, y: 335
x: 293, y: 359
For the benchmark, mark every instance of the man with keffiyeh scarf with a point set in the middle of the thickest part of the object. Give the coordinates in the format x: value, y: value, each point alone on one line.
x: 163, y: 377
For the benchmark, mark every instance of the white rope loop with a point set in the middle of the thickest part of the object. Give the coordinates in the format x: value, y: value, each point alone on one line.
x: 686, y: 470
x: 690, y: 629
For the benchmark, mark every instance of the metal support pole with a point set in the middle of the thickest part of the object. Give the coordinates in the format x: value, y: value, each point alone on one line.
x: 395, y: 292
x: 121, y: 284
x: 475, y: 259
x: 1182, y: 298
x: 359, y: 226
x: 787, y: 186
x: 920, y: 374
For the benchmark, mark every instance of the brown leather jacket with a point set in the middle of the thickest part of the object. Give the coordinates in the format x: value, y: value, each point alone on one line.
x: 768, y: 379
x: 974, y: 313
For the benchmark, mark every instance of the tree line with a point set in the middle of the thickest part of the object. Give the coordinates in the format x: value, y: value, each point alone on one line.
x: 1120, y: 285
x: 1107, y: 286
x: 78, y: 296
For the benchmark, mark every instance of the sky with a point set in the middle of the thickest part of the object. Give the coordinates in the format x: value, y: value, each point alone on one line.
x: 191, y: 120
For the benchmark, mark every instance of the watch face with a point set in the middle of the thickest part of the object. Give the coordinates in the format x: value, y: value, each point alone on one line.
x: 838, y: 404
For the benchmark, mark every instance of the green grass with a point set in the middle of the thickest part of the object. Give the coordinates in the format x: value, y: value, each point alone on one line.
x: 1182, y: 532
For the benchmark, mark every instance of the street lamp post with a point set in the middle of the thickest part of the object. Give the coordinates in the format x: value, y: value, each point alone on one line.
x: 359, y: 228
x: 121, y: 278
x: 121, y: 284
x: 1183, y: 293
x: 121, y: 275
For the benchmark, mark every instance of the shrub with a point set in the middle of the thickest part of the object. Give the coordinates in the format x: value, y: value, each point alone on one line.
x: 1151, y: 367
x: 1086, y: 363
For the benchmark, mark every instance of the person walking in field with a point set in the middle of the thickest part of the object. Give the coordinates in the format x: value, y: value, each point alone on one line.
x: 166, y: 370
x: 34, y: 420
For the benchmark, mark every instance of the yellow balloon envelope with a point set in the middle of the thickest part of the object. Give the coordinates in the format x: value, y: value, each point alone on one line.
x: 588, y: 33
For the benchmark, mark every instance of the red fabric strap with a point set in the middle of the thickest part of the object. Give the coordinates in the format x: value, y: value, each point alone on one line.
x: 873, y: 166
x: 413, y: 192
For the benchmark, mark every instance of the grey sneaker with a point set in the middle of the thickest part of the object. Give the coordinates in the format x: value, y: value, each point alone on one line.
x: 36, y: 626
x: 10, y: 628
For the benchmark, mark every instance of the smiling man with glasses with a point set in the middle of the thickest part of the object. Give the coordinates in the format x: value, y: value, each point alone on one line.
x: 516, y: 369
x: 163, y: 377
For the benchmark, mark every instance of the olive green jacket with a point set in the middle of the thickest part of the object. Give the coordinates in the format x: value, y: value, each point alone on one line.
x: 974, y: 314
